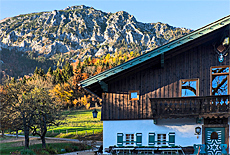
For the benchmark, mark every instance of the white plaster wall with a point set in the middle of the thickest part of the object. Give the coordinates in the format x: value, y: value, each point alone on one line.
x: 184, y: 130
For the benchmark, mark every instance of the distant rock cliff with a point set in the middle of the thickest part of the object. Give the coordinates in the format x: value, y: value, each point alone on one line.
x: 83, y: 31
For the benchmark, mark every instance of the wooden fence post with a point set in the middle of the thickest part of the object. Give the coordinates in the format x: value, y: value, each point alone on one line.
x: 66, y: 131
x: 76, y: 132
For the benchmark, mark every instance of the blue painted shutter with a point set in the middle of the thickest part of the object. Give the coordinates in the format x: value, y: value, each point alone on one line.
x: 119, y: 139
x: 139, y: 139
x: 171, y: 138
x: 151, y: 138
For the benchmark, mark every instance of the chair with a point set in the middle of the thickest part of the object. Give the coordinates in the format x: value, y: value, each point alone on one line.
x: 199, y: 148
x: 196, y: 148
x: 223, y: 148
x: 202, y: 148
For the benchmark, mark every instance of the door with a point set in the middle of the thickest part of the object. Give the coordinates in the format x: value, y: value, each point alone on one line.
x: 213, y: 138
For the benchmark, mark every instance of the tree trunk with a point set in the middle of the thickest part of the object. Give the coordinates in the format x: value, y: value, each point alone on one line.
x: 3, y: 134
x: 27, y: 139
x: 43, y: 142
x: 16, y: 134
x: 26, y: 132
x: 43, y: 130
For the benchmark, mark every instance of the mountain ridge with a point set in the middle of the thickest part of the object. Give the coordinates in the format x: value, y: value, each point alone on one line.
x: 82, y: 32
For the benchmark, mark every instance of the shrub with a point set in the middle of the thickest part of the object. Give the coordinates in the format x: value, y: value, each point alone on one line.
x: 51, y: 150
x: 44, y: 152
x: 68, y: 148
x: 27, y: 152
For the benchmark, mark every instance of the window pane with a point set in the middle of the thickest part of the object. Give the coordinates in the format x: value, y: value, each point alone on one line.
x: 188, y: 88
x: 129, y: 138
x: 133, y: 95
x: 220, y: 70
x: 219, y: 85
x: 161, y: 138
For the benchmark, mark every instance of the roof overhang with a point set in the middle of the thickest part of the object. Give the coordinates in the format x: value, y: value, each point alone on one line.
x: 156, y: 52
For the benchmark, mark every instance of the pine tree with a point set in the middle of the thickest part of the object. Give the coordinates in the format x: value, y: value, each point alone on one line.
x: 67, y: 71
x: 36, y: 70
x: 58, y: 77
x: 50, y: 71
x: 13, y: 80
x: 24, y: 80
x: 41, y: 72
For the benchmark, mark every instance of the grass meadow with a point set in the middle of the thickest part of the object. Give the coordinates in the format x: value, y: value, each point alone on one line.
x: 77, y: 123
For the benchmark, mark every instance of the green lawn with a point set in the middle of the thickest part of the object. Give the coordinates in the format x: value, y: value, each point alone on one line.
x: 81, y: 121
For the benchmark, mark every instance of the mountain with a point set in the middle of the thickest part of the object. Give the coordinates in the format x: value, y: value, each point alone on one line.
x: 79, y: 32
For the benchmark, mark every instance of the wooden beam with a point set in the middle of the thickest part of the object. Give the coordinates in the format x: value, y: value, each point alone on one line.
x: 162, y: 60
x: 104, y: 86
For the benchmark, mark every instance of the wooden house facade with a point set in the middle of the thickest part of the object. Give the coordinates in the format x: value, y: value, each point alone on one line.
x: 159, y: 98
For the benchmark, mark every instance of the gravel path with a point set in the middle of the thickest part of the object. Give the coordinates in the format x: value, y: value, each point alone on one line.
x: 87, y: 152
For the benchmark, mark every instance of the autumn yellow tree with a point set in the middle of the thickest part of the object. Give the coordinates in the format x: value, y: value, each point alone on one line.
x: 63, y: 93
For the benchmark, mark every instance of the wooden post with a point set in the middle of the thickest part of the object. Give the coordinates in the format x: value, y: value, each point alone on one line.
x: 16, y: 134
x: 76, y: 132
x: 66, y: 131
x: 52, y: 131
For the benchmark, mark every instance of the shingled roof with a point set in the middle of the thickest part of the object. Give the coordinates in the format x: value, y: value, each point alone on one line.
x: 155, y: 52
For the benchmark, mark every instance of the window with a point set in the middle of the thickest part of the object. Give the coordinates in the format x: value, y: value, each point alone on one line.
x: 133, y: 95
x: 129, y: 139
x: 189, y: 87
x: 220, y: 80
x: 161, y: 139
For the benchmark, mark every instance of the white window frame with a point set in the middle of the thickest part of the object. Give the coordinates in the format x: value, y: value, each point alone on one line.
x: 130, y: 143
x: 161, y: 143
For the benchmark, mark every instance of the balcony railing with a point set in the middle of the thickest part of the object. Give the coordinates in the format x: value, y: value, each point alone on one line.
x: 205, y: 106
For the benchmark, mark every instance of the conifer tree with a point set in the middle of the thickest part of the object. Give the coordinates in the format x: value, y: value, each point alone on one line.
x: 24, y: 80
x: 36, y: 70
x: 58, y: 77
x: 13, y: 80
x: 41, y: 72
x: 50, y: 71
x: 67, y: 71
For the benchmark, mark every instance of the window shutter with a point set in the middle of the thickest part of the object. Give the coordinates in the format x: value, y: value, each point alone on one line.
x: 139, y: 139
x: 171, y: 138
x: 151, y: 138
x: 119, y: 139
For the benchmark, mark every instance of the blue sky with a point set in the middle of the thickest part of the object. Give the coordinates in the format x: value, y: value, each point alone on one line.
x: 191, y: 14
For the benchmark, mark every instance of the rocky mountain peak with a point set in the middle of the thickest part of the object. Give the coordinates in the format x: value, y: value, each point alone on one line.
x: 84, y: 31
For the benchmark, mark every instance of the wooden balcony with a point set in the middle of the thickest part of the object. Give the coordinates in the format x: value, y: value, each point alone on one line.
x: 191, y: 107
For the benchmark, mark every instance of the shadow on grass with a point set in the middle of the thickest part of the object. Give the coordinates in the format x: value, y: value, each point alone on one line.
x: 52, y: 148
